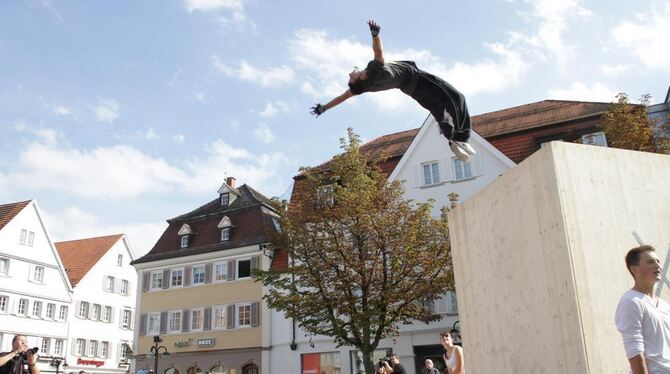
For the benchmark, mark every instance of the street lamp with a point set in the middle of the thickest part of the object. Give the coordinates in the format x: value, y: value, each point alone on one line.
x: 155, y: 350
x: 56, y: 362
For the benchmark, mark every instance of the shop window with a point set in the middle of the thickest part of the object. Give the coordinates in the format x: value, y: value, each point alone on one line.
x: 321, y: 363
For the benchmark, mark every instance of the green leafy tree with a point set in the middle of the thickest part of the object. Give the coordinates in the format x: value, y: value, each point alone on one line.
x: 628, y: 126
x: 363, y: 259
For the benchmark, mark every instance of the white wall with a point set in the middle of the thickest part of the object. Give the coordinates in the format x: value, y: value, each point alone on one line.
x: 19, y: 284
x: 538, y: 257
x: 91, y: 289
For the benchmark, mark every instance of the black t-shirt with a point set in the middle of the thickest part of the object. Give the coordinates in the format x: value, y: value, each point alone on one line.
x: 398, y: 369
x: 9, y: 367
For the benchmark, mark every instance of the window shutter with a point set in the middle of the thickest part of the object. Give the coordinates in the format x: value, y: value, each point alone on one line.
x: 130, y: 320
x: 477, y: 165
x: 230, y: 316
x: 231, y: 270
x: 74, y: 347
x: 89, y: 310
x: 163, y: 329
x: 111, y: 315
x: 121, y: 317
x: 109, y: 350
x: 145, y: 281
x: 187, y: 276
x: 166, y: 279
x: 143, y: 325
x: 254, y: 263
x: 78, y: 308
x: 104, y: 283
x: 255, y: 320
x: 208, y: 273
x: 185, y: 320
x: 118, y: 351
x: 207, y: 321
x: 99, y: 318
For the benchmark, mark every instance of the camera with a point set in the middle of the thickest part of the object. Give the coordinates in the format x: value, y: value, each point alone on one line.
x: 31, y: 351
x: 382, y: 360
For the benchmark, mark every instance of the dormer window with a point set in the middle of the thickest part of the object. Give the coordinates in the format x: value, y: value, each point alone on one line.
x: 225, y: 199
x: 226, y: 227
x: 225, y: 234
x: 185, y: 233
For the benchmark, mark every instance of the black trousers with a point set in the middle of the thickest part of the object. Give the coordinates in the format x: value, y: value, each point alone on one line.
x: 444, y: 102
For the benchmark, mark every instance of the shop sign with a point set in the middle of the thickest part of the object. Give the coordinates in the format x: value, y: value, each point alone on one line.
x: 183, y: 343
x: 90, y: 362
x: 205, y: 342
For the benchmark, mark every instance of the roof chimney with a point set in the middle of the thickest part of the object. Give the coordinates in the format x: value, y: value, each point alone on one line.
x: 230, y: 181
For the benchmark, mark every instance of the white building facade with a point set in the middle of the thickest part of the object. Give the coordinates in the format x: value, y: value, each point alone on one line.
x: 101, y: 321
x: 35, y: 294
x: 430, y: 171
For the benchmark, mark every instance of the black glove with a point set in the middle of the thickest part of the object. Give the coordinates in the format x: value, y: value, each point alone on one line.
x: 318, y: 109
x: 374, y: 28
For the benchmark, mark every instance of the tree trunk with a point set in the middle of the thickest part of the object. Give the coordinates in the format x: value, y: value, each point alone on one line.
x: 370, y: 367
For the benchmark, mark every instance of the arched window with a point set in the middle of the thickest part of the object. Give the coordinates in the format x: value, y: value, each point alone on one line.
x: 250, y: 369
x: 219, y: 369
x: 194, y: 370
x: 172, y: 371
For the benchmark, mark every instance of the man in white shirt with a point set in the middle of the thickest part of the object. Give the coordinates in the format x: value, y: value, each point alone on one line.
x: 642, y: 318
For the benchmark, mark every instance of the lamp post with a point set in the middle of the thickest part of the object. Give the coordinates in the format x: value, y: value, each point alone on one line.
x: 56, y: 362
x: 155, y: 350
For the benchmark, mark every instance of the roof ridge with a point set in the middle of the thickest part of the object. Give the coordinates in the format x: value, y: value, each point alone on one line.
x: 89, y: 238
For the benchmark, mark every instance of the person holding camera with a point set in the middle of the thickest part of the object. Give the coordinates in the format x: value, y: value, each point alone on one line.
x: 393, y: 365
x: 21, y: 360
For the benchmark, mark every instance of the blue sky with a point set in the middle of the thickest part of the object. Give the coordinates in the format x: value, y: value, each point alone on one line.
x: 116, y: 115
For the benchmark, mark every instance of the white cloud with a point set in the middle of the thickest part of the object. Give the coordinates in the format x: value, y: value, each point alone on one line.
x: 201, y: 97
x: 121, y: 171
x: 238, y: 21
x: 61, y: 110
x: 614, y: 70
x: 74, y: 223
x: 49, y: 136
x: 264, y: 133
x: 271, y: 77
x: 272, y: 109
x: 211, y: 5
x: 106, y: 110
x: 581, y: 92
x: 646, y: 37
x: 150, y: 134
x: 178, y: 138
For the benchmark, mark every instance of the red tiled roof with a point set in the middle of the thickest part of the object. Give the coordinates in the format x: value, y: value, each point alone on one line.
x: 79, y: 256
x: 9, y: 211
x: 534, y: 115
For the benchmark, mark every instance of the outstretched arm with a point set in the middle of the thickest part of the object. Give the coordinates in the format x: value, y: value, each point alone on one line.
x: 318, y: 109
x: 377, y: 47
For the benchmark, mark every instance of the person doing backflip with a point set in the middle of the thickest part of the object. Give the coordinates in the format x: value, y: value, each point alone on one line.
x: 441, y: 99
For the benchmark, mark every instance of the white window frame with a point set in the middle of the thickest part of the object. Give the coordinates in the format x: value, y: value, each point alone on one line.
x: 31, y: 239
x: 237, y: 267
x: 123, y: 357
x: 159, y: 275
x: 125, y: 285
x: 25, y: 307
x: 222, y: 264
x: 82, y: 305
x: 22, y: 237
x: 4, y: 269
x: 193, y: 269
x: 126, y: 318
x: 97, y: 311
x: 107, y: 314
x: 45, y: 345
x: 119, y: 260
x: 51, y: 311
x: 595, y: 135
x: 225, y: 234
x: 109, y: 283
x: 62, y: 313
x: 58, y: 347
x: 171, y: 326
x: 80, y: 348
x: 226, y: 200
x: 193, y: 311
x: 36, y: 311
x: 434, y: 170
x: 184, y: 241
x: 181, y: 281
x: 238, y: 315
x: 216, y: 309
x: 4, y: 303
x: 92, y: 348
x: 464, y: 165
x: 157, y: 328
x: 104, y: 349
x: 38, y: 274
